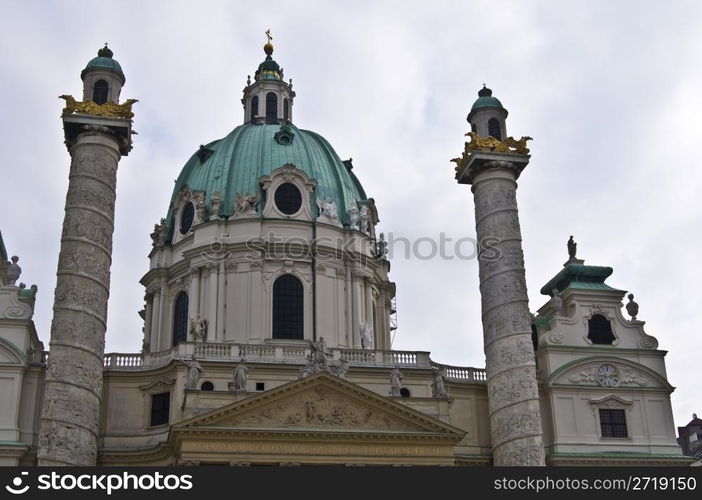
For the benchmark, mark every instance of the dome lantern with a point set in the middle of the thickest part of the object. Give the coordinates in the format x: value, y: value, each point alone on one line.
x: 268, y: 99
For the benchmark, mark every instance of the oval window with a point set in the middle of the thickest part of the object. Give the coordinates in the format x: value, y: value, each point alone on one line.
x: 186, y: 218
x: 288, y: 198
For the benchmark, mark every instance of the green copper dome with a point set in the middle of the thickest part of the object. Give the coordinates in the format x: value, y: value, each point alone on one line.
x: 233, y: 165
x: 103, y: 61
x: 485, y: 100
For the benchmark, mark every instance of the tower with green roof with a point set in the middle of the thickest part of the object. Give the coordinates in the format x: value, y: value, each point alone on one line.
x: 492, y: 168
x: 97, y: 134
x: 603, y: 378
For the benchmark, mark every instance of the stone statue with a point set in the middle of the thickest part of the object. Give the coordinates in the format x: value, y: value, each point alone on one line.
x: 364, y: 219
x: 395, y: 382
x: 341, y: 369
x: 381, y: 247
x: 245, y: 204
x: 317, y: 361
x: 353, y: 217
x: 366, y: 336
x: 200, y: 209
x: 193, y: 373
x: 198, y: 328
x: 327, y: 208
x: 438, y: 389
x: 215, y: 203
x: 632, y: 307
x: 319, y: 354
x: 13, y: 270
x: 240, y: 377
x: 556, y: 302
x: 572, y: 248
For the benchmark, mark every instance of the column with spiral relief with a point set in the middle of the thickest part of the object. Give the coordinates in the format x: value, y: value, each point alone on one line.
x: 98, y: 133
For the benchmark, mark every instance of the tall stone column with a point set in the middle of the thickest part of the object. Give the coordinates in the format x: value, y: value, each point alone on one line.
x: 73, y: 391
x: 515, y: 420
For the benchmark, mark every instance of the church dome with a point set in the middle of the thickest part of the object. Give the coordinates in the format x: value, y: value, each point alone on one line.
x: 233, y: 165
x: 103, y: 61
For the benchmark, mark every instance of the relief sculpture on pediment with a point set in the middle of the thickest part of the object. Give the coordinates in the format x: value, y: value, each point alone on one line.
x: 322, y: 407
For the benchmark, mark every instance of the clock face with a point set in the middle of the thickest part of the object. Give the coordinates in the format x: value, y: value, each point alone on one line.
x: 608, y: 375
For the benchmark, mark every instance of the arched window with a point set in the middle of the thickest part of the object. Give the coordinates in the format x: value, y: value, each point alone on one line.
x: 100, y: 91
x: 288, y: 308
x: 207, y: 386
x: 494, y: 128
x: 405, y: 392
x: 599, y: 330
x: 286, y: 111
x: 271, y: 108
x: 180, y: 318
x: 254, y: 106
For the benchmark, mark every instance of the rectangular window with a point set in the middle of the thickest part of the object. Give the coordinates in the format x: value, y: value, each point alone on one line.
x: 613, y: 424
x: 160, y: 406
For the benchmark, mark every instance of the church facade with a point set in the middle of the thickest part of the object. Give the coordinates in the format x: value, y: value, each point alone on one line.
x: 268, y: 319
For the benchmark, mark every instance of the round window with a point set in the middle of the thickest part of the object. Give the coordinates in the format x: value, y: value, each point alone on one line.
x: 186, y: 218
x: 288, y: 198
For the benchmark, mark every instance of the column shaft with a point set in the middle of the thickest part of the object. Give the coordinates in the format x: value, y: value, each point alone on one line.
x: 73, y: 391
x: 515, y: 421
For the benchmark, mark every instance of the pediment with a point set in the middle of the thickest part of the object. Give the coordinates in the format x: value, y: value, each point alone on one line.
x: 623, y: 373
x: 322, y: 403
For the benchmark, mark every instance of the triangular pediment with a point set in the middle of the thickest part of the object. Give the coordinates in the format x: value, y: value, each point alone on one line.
x: 322, y: 403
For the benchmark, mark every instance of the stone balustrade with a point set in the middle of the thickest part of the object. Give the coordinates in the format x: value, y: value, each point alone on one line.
x: 286, y: 353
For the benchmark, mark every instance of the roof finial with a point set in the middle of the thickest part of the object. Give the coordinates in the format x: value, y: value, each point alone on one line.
x: 105, y: 52
x: 268, y: 48
x: 484, y: 91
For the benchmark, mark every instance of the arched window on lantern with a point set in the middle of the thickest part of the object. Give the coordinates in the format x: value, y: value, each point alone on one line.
x: 494, y: 128
x: 100, y: 92
x: 271, y: 108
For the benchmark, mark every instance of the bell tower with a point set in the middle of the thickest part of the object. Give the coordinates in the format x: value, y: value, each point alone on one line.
x: 97, y: 134
x: 491, y: 164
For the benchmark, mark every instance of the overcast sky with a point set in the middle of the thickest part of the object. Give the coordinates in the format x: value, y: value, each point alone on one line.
x: 610, y: 92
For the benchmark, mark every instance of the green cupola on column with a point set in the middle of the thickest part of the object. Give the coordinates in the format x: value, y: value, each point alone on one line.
x: 487, y: 116
x: 103, y: 78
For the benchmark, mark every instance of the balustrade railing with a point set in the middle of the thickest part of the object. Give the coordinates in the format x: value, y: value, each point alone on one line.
x: 124, y: 360
x: 289, y: 354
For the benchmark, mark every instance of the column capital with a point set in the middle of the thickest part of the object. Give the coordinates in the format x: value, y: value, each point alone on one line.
x: 481, y: 161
